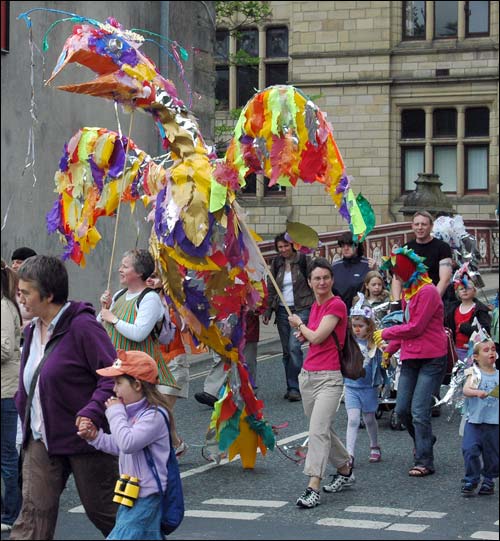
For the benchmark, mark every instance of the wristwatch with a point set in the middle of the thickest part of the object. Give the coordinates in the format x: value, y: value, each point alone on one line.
x: 115, y: 321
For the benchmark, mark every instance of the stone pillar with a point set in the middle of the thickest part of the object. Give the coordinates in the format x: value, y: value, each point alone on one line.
x: 427, y: 196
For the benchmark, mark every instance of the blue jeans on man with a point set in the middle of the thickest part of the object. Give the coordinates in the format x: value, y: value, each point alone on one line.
x: 292, y: 348
x: 417, y: 383
x: 11, y: 503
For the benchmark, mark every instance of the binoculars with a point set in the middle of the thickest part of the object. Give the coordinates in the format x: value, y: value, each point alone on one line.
x: 126, y: 490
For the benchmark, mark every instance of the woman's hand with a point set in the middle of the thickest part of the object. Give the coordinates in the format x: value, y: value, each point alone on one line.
x: 295, y: 321
x: 265, y: 320
x: 86, y: 428
x: 108, y: 316
x: 105, y: 299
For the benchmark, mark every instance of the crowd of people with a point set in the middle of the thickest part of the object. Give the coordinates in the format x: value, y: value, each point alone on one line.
x: 81, y: 390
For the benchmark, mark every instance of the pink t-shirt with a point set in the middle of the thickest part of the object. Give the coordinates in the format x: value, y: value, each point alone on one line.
x: 325, y: 356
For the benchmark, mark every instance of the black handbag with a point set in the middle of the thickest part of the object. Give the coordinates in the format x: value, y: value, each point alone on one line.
x: 351, y: 358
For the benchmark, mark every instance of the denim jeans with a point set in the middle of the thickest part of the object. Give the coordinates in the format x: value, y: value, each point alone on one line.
x: 417, y: 382
x: 11, y: 504
x: 480, y: 441
x: 292, y: 348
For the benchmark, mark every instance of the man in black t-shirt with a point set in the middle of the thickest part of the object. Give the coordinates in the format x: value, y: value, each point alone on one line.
x: 437, y: 253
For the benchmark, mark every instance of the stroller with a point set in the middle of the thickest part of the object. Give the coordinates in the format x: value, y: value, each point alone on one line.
x: 388, y: 390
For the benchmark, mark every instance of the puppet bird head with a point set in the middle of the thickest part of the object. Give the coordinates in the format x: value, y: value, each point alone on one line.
x: 124, y: 73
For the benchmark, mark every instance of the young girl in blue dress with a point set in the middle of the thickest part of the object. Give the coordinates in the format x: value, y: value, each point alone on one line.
x: 135, y: 424
x: 361, y: 395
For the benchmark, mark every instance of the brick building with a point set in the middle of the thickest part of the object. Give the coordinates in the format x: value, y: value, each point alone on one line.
x: 409, y: 87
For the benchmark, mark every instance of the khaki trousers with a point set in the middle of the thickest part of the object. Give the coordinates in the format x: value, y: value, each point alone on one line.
x: 321, y: 392
x: 44, y: 479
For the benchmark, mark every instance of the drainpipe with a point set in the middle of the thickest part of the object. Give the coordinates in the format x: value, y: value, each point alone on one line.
x: 163, y: 62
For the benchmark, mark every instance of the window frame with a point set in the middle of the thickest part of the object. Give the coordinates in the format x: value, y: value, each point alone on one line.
x: 434, y: 32
x: 413, y: 38
x: 469, y: 34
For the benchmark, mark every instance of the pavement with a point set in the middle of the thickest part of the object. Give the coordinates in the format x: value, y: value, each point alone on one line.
x: 269, y: 333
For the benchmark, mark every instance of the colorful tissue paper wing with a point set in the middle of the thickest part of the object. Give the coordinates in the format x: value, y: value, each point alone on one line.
x: 368, y: 215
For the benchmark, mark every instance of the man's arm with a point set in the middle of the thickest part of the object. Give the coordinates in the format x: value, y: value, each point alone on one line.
x: 445, y: 273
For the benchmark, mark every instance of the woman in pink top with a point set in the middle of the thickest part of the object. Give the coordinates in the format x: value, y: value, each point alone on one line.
x: 321, y: 384
x: 423, y: 345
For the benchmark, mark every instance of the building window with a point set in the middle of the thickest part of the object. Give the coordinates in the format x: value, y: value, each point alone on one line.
x: 445, y: 165
x: 458, y: 151
x: 222, y: 70
x: 476, y: 168
x: 477, y: 19
x: 413, y: 164
x: 256, y: 64
x: 444, y: 123
x: 247, y: 62
x: 414, y: 20
x: 277, y: 42
x: 477, y: 122
x: 445, y: 19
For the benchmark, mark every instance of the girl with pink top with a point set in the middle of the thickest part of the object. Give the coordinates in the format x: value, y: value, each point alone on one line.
x: 422, y: 340
x: 321, y: 384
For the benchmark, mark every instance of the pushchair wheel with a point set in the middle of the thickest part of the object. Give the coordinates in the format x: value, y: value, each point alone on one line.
x: 395, y: 423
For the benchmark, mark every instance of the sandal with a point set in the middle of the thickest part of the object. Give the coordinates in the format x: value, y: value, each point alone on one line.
x: 375, y: 454
x: 420, y: 471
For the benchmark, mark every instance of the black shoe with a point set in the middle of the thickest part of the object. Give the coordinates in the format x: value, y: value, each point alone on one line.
x: 487, y: 488
x: 286, y: 395
x: 294, y: 396
x: 205, y: 398
x: 468, y: 489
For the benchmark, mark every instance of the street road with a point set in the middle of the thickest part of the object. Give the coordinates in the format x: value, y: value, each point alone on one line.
x: 226, y: 502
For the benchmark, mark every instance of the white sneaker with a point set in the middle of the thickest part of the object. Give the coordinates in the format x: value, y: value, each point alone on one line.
x: 339, y: 482
x: 6, y: 527
x: 310, y: 498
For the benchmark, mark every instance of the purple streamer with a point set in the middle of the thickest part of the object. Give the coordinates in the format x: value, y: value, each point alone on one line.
x: 117, y: 160
x: 97, y: 173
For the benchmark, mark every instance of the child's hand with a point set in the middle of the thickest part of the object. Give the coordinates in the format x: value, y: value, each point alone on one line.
x: 112, y: 401
x: 482, y: 394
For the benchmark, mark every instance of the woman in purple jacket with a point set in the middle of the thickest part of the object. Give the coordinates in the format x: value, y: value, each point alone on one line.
x: 423, y: 345
x: 65, y: 345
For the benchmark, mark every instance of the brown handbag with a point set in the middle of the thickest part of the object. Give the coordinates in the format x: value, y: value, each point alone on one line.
x: 351, y: 358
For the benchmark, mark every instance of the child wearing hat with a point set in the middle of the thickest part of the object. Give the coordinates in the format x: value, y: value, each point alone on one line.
x: 135, y: 424
x: 361, y: 395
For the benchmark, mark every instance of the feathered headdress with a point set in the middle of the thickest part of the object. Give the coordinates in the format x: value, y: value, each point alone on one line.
x: 409, y: 267
x: 361, y: 309
x: 465, y: 277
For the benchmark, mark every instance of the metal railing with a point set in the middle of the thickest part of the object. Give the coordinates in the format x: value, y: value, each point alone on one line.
x: 383, y: 237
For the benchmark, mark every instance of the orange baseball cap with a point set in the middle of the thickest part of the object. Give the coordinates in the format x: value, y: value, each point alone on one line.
x: 133, y: 363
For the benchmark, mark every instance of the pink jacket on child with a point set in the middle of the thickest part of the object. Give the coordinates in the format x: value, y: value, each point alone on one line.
x: 423, y: 335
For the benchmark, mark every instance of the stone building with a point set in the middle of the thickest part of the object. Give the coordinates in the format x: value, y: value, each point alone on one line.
x: 410, y: 87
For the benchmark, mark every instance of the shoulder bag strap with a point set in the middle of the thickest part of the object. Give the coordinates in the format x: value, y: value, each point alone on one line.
x: 150, y: 459
x: 334, y: 334
x: 48, y: 348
